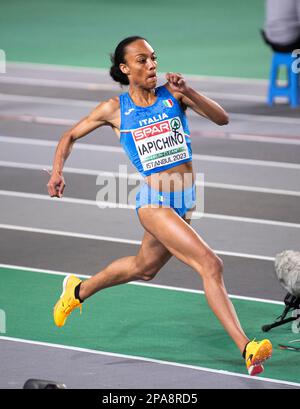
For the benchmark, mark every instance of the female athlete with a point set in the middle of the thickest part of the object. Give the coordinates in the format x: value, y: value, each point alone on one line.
x: 151, y: 125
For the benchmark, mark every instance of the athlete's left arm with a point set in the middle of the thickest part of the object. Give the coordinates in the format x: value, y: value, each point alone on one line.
x: 199, y: 103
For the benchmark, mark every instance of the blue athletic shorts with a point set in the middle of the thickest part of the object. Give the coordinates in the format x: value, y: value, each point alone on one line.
x: 181, y: 201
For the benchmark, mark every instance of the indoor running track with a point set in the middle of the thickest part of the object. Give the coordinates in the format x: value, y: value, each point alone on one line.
x: 158, y: 334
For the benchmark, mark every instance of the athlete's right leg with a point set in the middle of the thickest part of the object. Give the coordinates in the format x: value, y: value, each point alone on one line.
x: 187, y: 246
x: 151, y: 257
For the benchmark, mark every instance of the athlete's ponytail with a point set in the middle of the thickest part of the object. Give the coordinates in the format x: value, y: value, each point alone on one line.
x: 118, y: 57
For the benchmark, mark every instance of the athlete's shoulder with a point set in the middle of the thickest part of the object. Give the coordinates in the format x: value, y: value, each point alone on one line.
x: 110, y: 107
x: 112, y: 104
x: 106, y: 111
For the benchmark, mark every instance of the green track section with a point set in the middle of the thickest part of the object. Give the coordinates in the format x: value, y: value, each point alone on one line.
x: 194, y: 37
x: 143, y: 321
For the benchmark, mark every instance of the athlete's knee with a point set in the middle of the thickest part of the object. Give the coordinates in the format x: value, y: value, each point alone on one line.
x: 211, y: 267
x: 148, y: 274
x: 146, y: 271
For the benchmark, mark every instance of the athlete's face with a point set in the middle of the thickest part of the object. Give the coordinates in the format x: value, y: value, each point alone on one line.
x: 140, y: 64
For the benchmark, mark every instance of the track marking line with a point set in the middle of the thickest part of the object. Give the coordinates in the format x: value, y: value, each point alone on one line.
x: 14, y: 80
x: 47, y: 100
x: 116, y: 149
x: 155, y: 361
x: 136, y: 176
x: 69, y: 234
x: 87, y: 70
x: 138, y: 283
x: 89, y: 86
x: 92, y: 104
x: 265, y: 138
x: 119, y: 240
x: 113, y: 205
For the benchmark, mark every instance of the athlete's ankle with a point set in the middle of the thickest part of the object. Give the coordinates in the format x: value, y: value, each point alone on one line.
x: 77, y: 294
x: 245, y: 349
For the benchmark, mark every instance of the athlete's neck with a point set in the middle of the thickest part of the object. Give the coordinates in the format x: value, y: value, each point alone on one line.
x: 142, y: 96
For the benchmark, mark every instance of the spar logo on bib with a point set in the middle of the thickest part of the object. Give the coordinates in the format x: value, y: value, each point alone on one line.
x: 161, y: 143
x: 151, y: 130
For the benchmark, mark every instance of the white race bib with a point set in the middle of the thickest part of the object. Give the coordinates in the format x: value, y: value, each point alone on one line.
x: 161, y: 143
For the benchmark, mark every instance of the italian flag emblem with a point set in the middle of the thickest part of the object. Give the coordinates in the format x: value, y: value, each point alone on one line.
x: 168, y: 103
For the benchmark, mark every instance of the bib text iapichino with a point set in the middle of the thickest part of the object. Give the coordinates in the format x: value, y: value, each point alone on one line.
x: 161, y: 143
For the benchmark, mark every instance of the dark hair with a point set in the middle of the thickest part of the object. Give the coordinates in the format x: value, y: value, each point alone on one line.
x: 118, y: 57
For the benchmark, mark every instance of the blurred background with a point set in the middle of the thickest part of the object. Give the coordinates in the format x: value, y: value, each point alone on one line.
x: 193, y: 37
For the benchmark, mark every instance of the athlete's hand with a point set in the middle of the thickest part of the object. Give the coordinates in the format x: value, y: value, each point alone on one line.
x: 56, y: 185
x: 177, y: 82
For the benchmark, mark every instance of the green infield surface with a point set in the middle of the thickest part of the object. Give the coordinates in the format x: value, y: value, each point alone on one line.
x: 195, y: 37
x: 143, y: 321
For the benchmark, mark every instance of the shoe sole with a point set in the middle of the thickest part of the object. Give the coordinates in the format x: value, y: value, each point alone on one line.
x: 263, y: 353
x: 255, y: 369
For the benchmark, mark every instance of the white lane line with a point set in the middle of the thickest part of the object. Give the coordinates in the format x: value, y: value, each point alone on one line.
x: 235, y: 97
x: 151, y: 360
x: 69, y: 234
x: 55, y: 67
x: 124, y: 206
x: 136, y: 176
x: 52, y: 144
x: 120, y: 150
x: 264, y: 118
x: 104, y: 71
x: 243, y: 161
x: 92, y: 104
x: 229, y: 135
x: 249, y: 220
x: 35, y: 119
x: 245, y: 255
x: 90, y: 86
x: 111, y: 87
x: 251, y: 189
x: 117, y: 240
x: 280, y: 139
x: 48, y: 100
x: 163, y: 287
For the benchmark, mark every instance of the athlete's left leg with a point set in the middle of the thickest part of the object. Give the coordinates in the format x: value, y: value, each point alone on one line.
x: 150, y: 258
x: 187, y: 246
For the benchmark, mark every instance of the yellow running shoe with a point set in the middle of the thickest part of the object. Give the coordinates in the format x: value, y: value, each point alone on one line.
x: 256, y: 354
x: 67, y: 302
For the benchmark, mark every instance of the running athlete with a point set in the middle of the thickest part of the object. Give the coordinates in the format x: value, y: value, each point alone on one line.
x: 151, y: 125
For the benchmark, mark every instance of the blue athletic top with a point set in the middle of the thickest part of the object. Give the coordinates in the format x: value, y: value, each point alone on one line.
x: 157, y: 137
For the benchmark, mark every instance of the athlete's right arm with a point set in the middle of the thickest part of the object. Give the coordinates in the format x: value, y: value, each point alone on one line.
x: 103, y: 114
